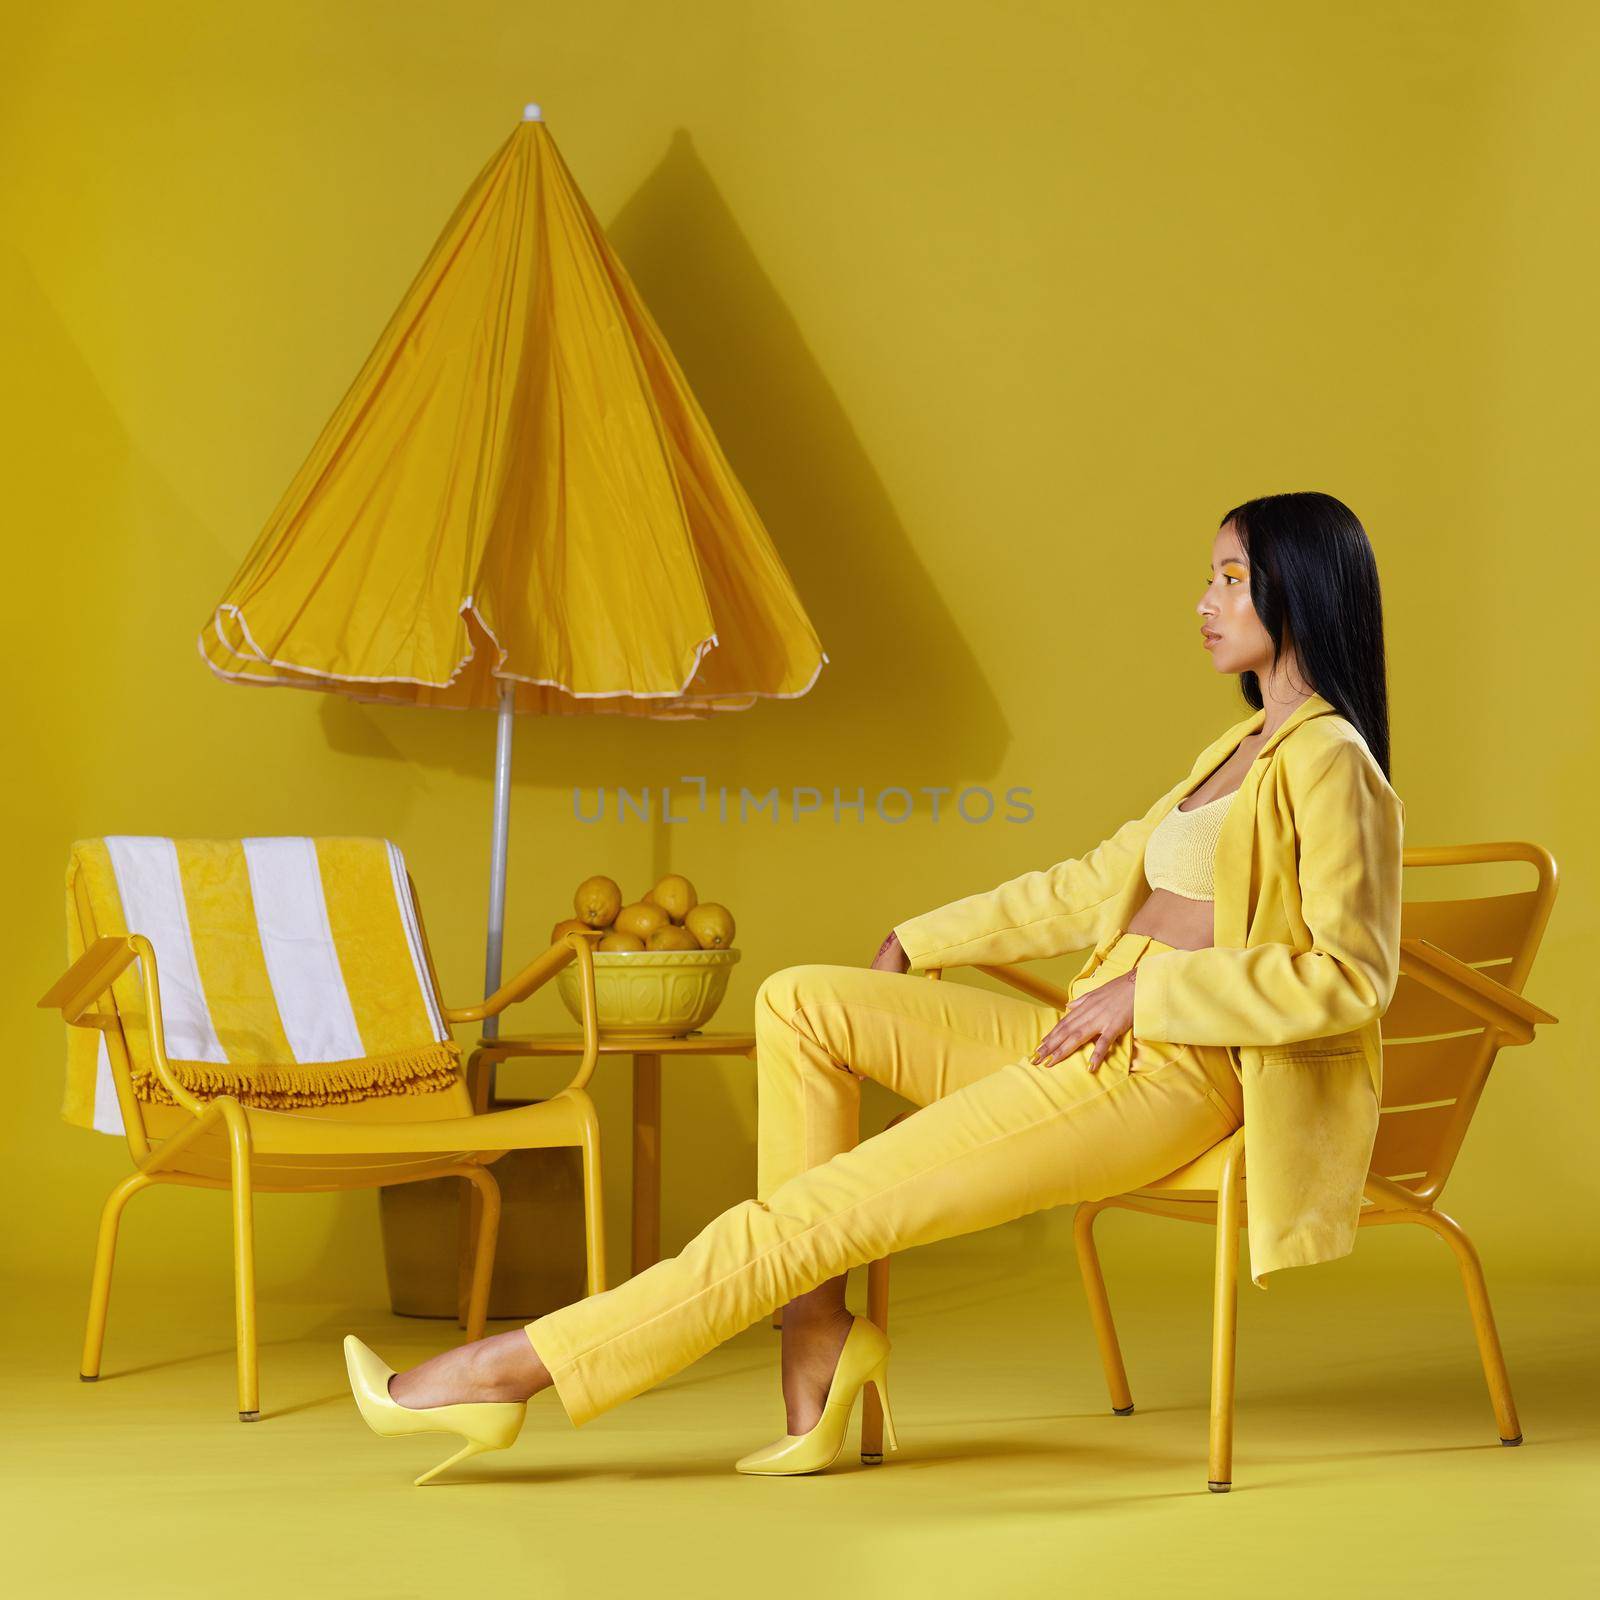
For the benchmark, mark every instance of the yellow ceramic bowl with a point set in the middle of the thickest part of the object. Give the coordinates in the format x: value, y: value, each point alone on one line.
x: 644, y: 994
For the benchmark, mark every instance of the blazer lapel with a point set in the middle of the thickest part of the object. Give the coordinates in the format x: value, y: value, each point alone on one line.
x: 1236, y: 838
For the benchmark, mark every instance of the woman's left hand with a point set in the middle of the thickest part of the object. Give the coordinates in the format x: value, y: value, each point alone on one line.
x: 1105, y: 1013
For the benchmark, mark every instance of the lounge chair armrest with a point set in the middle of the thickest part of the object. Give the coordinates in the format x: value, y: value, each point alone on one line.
x: 89, y: 977
x: 92, y: 975
x: 1503, y: 1009
x: 577, y: 947
x: 535, y: 975
x: 583, y: 948
x: 1052, y: 994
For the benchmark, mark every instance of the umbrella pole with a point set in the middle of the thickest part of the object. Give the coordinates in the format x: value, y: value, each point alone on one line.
x: 497, y: 852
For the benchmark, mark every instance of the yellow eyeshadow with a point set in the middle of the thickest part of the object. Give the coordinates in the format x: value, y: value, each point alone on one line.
x: 1234, y: 570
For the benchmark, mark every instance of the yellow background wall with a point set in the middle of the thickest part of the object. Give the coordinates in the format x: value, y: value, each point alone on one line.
x: 996, y: 310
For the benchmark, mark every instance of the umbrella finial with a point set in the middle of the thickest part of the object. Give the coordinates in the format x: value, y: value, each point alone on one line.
x: 532, y: 113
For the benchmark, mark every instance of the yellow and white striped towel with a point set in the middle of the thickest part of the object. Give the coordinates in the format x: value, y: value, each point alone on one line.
x: 292, y: 972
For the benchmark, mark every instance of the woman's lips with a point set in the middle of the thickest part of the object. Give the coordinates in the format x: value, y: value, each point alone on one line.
x: 1211, y: 639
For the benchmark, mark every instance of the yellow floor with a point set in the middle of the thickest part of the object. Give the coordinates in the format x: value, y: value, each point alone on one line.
x: 1366, y: 1451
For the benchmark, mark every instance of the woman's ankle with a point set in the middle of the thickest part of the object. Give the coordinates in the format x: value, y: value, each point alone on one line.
x: 520, y: 1365
x: 502, y: 1367
x: 819, y: 1306
x: 809, y: 1360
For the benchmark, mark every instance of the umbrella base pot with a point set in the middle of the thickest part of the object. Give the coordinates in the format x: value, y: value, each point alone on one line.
x: 539, y: 1258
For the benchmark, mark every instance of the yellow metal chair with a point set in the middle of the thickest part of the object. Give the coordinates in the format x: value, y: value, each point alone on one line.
x: 1463, y: 963
x: 218, y: 1142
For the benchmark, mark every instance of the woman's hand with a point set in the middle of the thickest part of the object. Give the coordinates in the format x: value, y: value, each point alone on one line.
x: 890, y: 957
x: 1105, y: 1011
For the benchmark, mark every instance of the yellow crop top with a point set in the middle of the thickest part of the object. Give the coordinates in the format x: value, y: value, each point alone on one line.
x: 1181, y: 849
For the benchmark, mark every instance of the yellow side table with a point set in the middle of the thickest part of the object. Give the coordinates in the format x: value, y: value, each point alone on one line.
x: 487, y: 1054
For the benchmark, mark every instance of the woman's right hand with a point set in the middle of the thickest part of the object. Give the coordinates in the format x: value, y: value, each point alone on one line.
x: 890, y: 957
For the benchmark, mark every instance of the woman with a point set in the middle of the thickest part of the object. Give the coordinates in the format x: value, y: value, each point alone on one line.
x: 1245, y: 945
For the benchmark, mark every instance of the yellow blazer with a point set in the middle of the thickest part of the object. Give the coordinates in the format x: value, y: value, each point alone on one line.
x: 1305, y: 961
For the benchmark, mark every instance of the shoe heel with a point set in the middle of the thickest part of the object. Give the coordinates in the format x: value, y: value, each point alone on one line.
x: 471, y: 1448
x: 878, y: 1381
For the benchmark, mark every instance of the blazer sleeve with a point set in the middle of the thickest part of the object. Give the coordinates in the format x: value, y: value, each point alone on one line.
x: 1036, y: 916
x: 1349, y: 826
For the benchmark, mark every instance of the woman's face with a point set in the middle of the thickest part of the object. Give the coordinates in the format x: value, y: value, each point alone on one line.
x: 1232, y: 631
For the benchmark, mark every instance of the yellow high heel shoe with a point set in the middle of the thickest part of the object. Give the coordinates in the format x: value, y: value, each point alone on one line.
x: 863, y: 1360
x: 485, y: 1425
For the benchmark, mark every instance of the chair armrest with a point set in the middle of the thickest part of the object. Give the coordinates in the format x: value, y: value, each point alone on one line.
x: 1387, y: 1195
x: 91, y: 976
x: 1506, y: 1011
x: 537, y: 973
x: 1036, y: 988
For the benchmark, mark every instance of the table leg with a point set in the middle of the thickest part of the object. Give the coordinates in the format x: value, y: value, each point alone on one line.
x: 646, y: 1160
x: 480, y: 1074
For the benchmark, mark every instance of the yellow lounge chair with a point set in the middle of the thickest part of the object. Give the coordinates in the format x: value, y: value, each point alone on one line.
x: 277, y: 952
x: 1463, y: 964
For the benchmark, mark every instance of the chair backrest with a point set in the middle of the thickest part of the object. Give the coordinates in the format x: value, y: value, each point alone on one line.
x: 294, y: 975
x: 1437, y: 1054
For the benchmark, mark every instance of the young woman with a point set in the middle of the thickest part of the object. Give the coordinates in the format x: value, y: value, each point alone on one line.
x: 1245, y: 935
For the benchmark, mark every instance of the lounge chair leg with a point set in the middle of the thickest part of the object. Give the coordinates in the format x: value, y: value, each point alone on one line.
x: 594, y: 1216
x: 1489, y: 1351
x: 105, y: 1252
x: 1225, y: 1324
x: 1094, y: 1288
x: 486, y: 1224
x: 244, y: 1269
x: 871, y: 1405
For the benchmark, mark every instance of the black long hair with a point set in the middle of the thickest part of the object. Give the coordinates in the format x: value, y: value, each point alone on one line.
x: 1313, y: 576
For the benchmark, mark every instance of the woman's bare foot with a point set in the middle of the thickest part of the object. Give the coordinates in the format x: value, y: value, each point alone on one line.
x: 505, y: 1366
x: 815, y: 1326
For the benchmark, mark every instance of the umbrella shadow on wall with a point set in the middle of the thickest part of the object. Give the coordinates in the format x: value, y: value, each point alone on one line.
x: 902, y: 699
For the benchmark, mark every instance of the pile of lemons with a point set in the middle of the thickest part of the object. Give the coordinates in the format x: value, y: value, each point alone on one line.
x: 670, y: 917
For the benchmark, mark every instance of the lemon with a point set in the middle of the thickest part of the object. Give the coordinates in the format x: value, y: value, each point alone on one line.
x: 621, y: 941
x: 711, y: 924
x: 640, y: 918
x: 597, y: 901
x: 672, y: 937
x: 570, y: 925
x: 675, y: 895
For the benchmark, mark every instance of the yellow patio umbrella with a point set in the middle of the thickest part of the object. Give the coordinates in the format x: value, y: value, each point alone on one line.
x: 518, y: 504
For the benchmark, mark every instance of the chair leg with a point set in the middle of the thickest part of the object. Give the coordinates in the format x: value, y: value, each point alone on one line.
x: 486, y: 1230
x: 594, y: 1215
x: 244, y: 1271
x: 1094, y: 1287
x: 1225, y: 1324
x: 105, y: 1252
x: 871, y: 1406
x: 1489, y: 1351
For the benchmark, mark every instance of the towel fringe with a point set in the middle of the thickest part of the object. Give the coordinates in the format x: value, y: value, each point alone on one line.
x: 273, y: 1086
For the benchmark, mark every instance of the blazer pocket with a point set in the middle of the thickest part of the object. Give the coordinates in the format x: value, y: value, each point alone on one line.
x: 1289, y: 1054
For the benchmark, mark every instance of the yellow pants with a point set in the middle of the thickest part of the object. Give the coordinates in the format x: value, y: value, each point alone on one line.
x: 995, y: 1138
